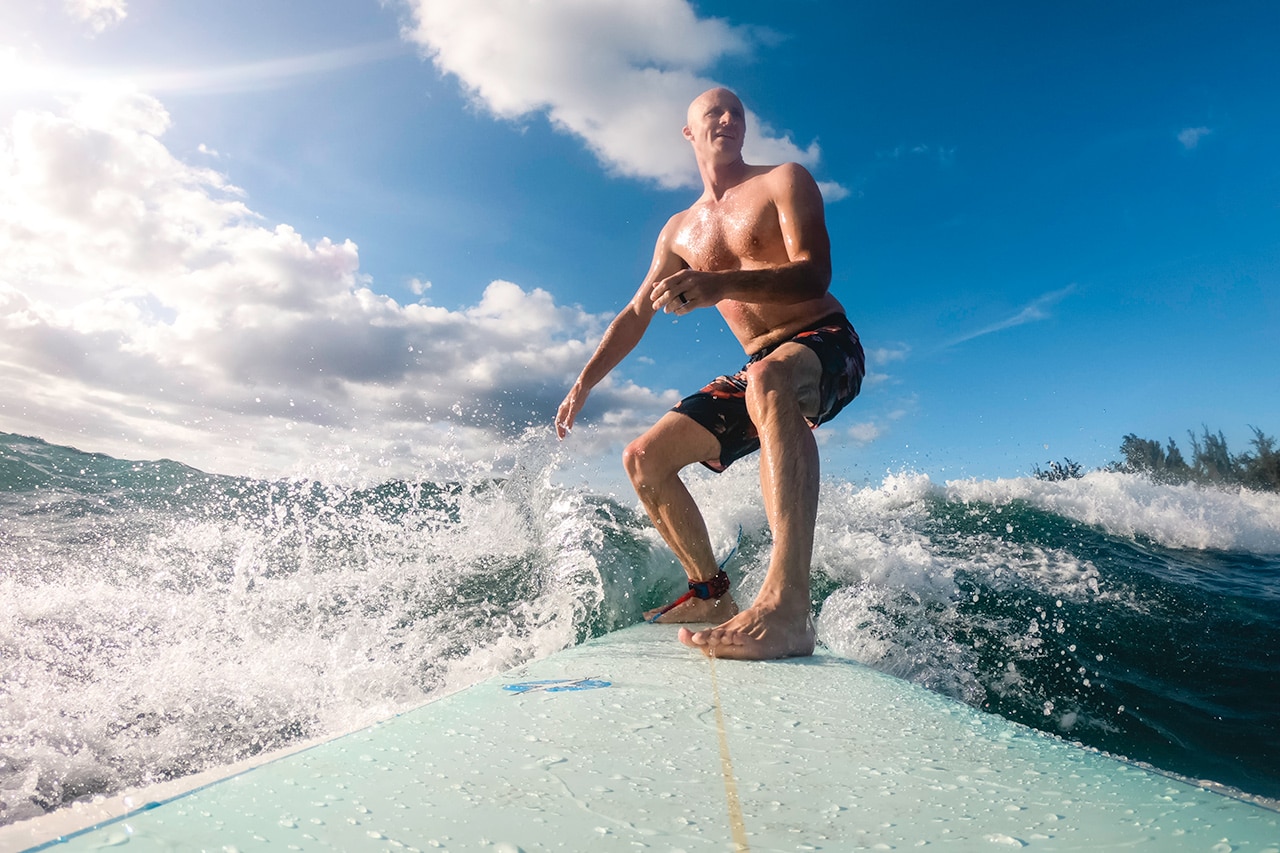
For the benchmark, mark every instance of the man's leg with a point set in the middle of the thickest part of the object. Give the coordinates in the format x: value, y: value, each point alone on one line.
x: 653, y: 462
x: 781, y: 390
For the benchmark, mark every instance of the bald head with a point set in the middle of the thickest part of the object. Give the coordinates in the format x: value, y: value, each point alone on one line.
x: 711, y: 98
x: 716, y: 127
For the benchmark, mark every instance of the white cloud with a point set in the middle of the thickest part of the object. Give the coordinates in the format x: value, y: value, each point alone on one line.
x: 940, y: 154
x: 863, y: 433
x: 887, y: 355
x: 878, y: 358
x: 98, y: 14
x: 1037, y: 310
x: 1190, y: 136
x: 618, y: 74
x: 832, y: 192
x: 146, y: 310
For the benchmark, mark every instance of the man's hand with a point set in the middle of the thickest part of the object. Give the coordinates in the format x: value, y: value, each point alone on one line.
x: 686, y: 290
x: 569, y: 409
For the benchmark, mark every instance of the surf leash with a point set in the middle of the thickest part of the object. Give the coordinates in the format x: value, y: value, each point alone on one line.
x: 716, y: 587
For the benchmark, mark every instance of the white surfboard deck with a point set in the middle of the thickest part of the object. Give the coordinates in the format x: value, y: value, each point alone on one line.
x: 634, y: 742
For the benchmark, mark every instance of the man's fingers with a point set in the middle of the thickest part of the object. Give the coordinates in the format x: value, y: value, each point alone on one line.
x: 672, y: 293
x: 673, y: 300
x: 567, y: 414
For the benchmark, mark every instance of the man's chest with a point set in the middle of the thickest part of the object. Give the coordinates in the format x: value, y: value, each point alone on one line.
x: 729, y: 236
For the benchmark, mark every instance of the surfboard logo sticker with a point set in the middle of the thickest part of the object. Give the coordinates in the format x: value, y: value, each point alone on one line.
x: 556, y: 685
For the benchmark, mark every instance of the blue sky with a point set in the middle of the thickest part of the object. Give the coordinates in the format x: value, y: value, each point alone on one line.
x: 389, y: 234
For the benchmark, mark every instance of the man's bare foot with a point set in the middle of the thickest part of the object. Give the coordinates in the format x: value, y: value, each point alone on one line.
x: 757, y: 633
x: 713, y: 610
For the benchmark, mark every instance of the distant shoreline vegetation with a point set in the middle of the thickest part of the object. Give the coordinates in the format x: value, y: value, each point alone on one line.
x: 1211, y: 462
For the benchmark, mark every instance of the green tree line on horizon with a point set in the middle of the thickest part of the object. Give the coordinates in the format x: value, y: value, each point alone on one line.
x: 1211, y: 463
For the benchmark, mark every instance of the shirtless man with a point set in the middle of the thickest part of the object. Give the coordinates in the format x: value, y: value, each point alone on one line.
x: 754, y: 246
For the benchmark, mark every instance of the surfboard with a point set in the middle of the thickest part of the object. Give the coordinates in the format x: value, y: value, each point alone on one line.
x: 633, y: 742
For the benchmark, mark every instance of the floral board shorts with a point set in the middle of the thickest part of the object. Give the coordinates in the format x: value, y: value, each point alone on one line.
x: 721, y: 406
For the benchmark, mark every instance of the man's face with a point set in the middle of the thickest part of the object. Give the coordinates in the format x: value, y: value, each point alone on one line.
x: 717, y: 124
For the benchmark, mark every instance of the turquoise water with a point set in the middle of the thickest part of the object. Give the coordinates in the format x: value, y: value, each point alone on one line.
x: 156, y: 620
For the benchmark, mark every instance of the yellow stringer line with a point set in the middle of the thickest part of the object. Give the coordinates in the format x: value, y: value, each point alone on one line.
x: 726, y: 768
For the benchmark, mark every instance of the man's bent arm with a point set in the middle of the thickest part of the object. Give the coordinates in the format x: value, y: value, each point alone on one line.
x: 623, y: 333
x: 800, y: 280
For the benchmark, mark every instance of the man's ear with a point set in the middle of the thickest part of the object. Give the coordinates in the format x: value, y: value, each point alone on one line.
x: 688, y: 134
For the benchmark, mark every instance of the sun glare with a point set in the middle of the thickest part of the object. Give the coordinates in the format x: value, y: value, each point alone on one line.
x: 20, y: 74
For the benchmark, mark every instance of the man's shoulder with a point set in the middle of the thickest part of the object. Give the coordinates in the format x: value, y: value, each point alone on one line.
x: 788, y: 168
x: 676, y: 220
x: 789, y: 173
x: 791, y: 184
x: 781, y: 179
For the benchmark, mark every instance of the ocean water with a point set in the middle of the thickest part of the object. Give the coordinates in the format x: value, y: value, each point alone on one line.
x: 156, y: 620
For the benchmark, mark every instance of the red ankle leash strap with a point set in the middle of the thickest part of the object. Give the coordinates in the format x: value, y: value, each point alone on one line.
x: 716, y: 587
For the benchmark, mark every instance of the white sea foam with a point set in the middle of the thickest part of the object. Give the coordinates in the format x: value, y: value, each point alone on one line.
x: 1177, y: 516
x: 183, y: 641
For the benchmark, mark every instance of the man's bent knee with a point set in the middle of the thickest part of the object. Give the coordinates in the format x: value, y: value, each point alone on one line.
x: 645, y: 463
x: 770, y: 375
x: 634, y: 461
x: 666, y: 448
x: 779, y: 382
